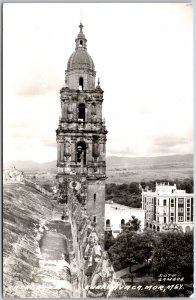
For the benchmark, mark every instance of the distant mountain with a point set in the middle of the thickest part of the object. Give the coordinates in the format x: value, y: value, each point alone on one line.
x: 132, y: 162
x: 113, y: 162
x: 26, y: 165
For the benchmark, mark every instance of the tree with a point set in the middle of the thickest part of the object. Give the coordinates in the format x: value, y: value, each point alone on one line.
x: 134, y: 188
x: 109, y: 240
x: 174, y: 255
x: 133, y: 224
x: 131, y: 248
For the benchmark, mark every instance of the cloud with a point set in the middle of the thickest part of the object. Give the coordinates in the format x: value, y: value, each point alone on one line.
x: 37, y: 83
x: 147, y: 101
x: 49, y: 142
x: 168, y: 141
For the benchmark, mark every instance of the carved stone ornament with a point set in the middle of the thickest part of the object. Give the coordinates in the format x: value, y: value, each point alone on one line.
x: 75, y: 185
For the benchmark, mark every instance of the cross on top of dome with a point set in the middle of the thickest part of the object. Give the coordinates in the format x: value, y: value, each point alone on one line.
x: 81, y: 26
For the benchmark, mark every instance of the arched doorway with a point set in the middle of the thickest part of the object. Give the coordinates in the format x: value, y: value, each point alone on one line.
x: 122, y: 222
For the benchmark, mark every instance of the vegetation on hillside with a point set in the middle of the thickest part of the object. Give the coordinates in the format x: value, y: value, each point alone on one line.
x: 130, y: 194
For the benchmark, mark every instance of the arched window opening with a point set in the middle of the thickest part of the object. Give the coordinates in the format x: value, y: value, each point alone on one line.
x: 81, y: 42
x: 94, y: 219
x: 107, y: 223
x: 150, y: 225
x: 94, y: 200
x: 81, y: 153
x: 158, y: 229
x: 146, y: 224
x: 81, y: 113
x: 187, y: 229
x: 81, y: 84
x: 123, y: 222
x: 154, y: 227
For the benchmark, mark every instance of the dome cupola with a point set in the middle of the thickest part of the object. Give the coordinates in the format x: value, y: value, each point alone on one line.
x: 80, y: 72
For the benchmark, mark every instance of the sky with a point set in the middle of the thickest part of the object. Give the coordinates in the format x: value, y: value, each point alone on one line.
x: 143, y: 54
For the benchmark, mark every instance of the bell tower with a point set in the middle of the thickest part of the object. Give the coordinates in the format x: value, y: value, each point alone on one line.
x: 81, y: 135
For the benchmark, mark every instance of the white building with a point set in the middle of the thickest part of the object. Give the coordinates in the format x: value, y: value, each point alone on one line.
x: 117, y: 215
x: 167, y: 208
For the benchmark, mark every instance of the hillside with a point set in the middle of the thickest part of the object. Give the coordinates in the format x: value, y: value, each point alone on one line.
x: 127, y: 169
x: 150, y: 162
x: 26, y: 165
x: 137, y: 169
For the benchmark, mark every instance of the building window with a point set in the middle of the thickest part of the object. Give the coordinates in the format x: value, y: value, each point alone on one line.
x: 188, y: 218
x: 94, y: 196
x: 81, y: 83
x: 164, y: 219
x: 172, y: 219
x: 180, y: 218
x: 181, y: 209
x: 81, y: 42
x: 107, y: 223
x: 94, y: 219
x: 164, y: 202
x: 158, y: 201
x: 172, y: 214
x: 180, y: 201
x: 172, y: 205
x: 81, y: 112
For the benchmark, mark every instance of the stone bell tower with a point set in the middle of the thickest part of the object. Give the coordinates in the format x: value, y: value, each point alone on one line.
x: 81, y: 134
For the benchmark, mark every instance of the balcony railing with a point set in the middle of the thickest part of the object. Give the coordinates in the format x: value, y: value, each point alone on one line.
x: 108, y: 228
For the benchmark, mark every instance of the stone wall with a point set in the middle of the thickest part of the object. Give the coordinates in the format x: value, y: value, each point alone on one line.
x: 93, y: 273
x: 36, y: 246
x: 38, y: 187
